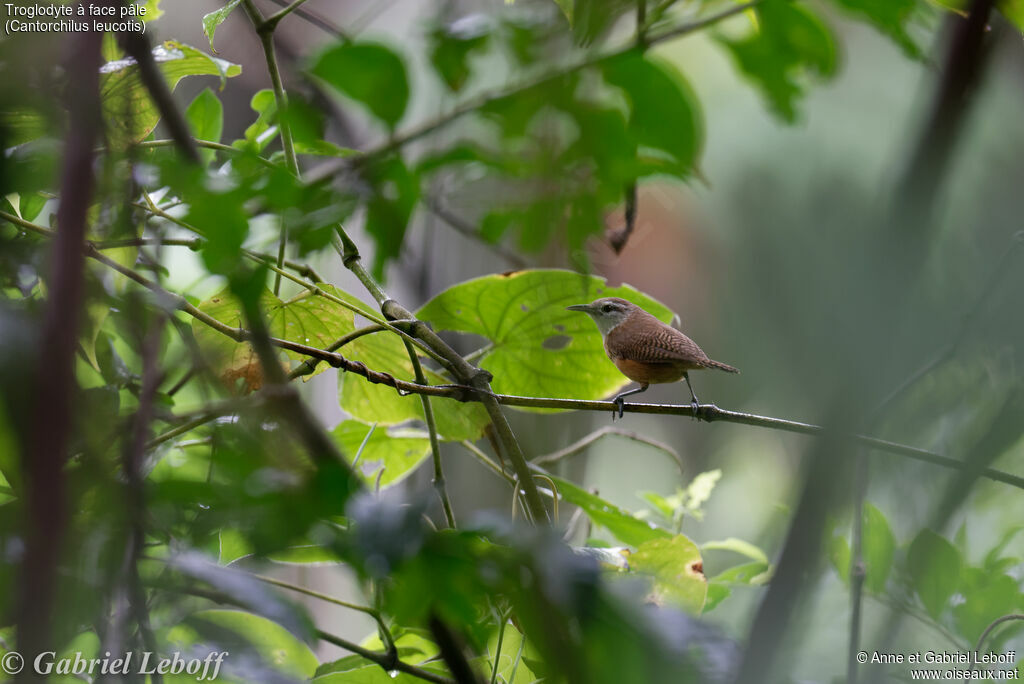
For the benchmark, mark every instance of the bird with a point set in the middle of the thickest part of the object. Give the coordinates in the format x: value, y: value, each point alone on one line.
x: 644, y: 349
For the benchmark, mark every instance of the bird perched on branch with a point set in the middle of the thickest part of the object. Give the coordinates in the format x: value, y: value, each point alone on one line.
x: 644, y: 349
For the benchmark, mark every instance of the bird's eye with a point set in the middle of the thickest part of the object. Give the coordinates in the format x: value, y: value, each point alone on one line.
x: 607, y: 308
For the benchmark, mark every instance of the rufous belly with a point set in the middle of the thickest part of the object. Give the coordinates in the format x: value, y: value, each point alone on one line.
x: 650, y: 373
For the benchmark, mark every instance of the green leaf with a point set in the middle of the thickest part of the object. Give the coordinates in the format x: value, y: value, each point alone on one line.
x: 987, y: 596
x: 878, y: 545
x: 232, y: 545
x: 934, y: 565
x: 511, y: 667
x: 323, y: 148
x: 259, y: 134
x: 398, y: 454
x: 890, y: 17
x: 369, y: 73
x: 308, y: 319
x: 739, y: 546
x: 745, y: 574
x: 622, y: 525
x: 677, y: 569
x: 539, y: 348
x: 280, y: 649
x: 665, y: 112
x: 789, y: 42
x: 30, y: 204
x: 374, y: 403
x: 130, y: 113
x: 453, y: 45
x: 214, y: 19
x: 206, y: 117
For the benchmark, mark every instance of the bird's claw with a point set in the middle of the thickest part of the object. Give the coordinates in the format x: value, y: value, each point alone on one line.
x: 620, y: 403
x: 695, y: 406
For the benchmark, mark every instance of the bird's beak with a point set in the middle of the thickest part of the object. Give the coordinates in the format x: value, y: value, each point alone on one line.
x: 578, y: 307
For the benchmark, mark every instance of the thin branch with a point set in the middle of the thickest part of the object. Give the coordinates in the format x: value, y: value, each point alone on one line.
x: 435, y: 447
x: 582, y: 444
x: 274, y: 19
x: 329, y: 169
x: 995, y: 623
x: 389, y: 663
x: 265, y: 31
x: 316, y: 20
x: 208, y: 144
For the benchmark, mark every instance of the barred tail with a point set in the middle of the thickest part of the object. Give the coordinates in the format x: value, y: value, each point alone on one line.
x: 720, y: 366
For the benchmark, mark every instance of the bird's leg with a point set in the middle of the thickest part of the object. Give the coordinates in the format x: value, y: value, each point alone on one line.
x: 694, y: 404
x: 619, y: 399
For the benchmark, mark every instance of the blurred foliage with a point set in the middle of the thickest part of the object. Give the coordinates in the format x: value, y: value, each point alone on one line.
x: 233, y: 481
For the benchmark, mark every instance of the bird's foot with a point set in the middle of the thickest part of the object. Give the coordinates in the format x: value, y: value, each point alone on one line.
x: 695, y: 406
x: 620, y: 403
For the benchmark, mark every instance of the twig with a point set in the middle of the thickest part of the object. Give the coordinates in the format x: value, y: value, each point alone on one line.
x: 265, y: 31
x: 315, y: 20
x: 208, y: 144
x: 435, y: 448
x: 578, y: 446
x: 988, y: 630
x: 274, y: 19
x: 388, y: 640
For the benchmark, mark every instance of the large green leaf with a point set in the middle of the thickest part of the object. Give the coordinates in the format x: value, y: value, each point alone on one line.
x: 374, y: 403
x: 539, y: 348
x: 130, y: 112
x: 934, y: 565
x: 620, y: 523
x: 677, y: 569
x: 369, y: 73
x: 396, y: 454
x: 665, y: 113
x: 309, y: 320
x: 788, y: 43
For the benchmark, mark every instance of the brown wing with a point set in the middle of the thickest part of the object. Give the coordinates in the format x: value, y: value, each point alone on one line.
x: 648, y: 340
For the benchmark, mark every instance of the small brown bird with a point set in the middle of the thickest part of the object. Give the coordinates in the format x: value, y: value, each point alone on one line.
x: 645, y: 349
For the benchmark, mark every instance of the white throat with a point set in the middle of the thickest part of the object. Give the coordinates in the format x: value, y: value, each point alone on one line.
x: 607, y: 323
